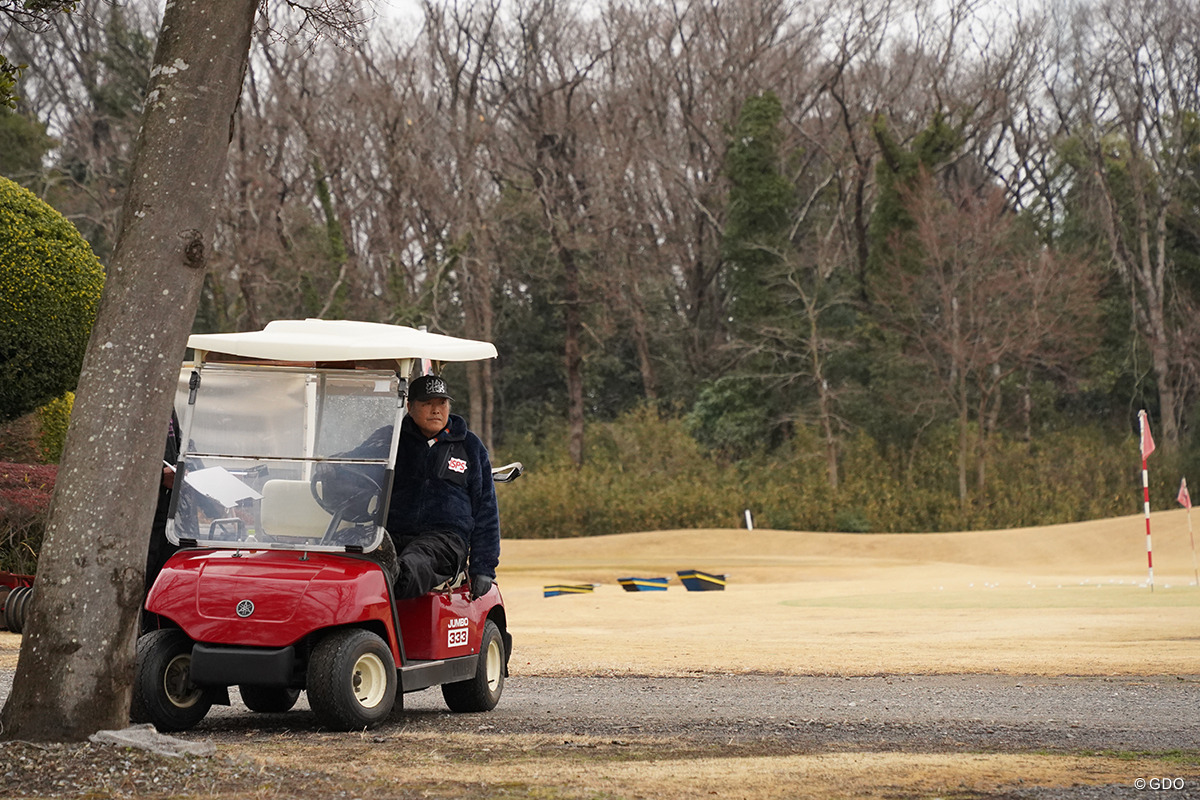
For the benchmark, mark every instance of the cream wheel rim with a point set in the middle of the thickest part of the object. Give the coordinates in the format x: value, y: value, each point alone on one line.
x: 493, y: 665
x: 369, y: 680
x: 177, y: 684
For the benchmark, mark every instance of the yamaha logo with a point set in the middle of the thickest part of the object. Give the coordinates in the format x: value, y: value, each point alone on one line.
x: 245, y: 608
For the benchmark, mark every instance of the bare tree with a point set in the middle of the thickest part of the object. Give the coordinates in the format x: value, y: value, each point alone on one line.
x: 459, y: 188
x: 1131, y: 100
x: 30, y: 16
x: 985, y: 301
x: 538, y: 82
x: 88, y: 88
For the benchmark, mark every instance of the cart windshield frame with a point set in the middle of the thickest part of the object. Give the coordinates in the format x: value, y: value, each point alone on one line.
x: 286, y: 457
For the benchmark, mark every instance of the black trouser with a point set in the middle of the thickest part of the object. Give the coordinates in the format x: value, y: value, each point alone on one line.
x: 424, y: 561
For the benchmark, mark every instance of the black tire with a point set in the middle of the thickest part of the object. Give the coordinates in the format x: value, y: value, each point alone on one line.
x: 15, y: 607
x: 23, y: 608
x: 163, y: 692
x: 352, y: 680
x: 23, y: 611
x: 269, y: 699
x: 482, y: 692
x: 10, y: 609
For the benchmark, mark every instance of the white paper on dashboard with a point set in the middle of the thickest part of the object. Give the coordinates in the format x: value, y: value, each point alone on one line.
x: 221, y: 485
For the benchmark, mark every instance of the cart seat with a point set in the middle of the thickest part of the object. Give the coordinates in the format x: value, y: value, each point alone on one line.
x: 290, y: 511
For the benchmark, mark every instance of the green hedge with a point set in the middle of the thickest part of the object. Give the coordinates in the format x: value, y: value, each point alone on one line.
x: 644, y: 472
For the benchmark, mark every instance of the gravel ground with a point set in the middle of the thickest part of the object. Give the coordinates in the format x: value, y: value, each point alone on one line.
x: 739, y: 715
x: 907, y: 713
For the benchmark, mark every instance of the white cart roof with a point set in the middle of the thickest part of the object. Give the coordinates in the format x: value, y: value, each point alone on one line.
x: 339, y: 340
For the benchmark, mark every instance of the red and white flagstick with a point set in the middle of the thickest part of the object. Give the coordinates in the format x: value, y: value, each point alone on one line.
x: 1185, y: 500
x: 1147, y: 442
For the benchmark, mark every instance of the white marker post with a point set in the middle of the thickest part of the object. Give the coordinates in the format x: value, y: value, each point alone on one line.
x: 1147, y: 442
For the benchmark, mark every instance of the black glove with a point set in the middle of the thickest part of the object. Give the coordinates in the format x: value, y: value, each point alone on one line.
x: 480, y: 585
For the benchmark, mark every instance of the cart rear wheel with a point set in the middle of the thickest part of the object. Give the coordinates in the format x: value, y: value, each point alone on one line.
x: 14, y: 608
x: 23, y: 607
x: 352, y: 680
x: 482, y: 692
x: 269, y: 699
x: 163, y: 692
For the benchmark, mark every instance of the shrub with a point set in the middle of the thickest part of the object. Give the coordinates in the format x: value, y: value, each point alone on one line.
x: 644, y: 472
x: 50, y: 285
x: 641, y: 472
x: 53, y: 419
x: 25, y: 492
x: 19, y: 440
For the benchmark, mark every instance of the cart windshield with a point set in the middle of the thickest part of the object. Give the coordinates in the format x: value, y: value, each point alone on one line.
x: 285, y: 458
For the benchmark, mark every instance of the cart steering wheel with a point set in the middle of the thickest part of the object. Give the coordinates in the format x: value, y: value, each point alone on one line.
x: 348, y: 492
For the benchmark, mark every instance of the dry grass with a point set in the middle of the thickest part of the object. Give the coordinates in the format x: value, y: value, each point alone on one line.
x: 1068, y: 599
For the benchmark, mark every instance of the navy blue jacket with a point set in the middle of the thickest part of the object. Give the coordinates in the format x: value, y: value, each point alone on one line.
x: 447, y: 486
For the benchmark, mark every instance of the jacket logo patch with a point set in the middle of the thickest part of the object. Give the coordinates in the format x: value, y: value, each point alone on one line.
x: 457, y: 464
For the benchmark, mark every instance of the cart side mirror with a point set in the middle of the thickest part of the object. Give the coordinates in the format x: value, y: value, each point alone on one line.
x: 508, y: 473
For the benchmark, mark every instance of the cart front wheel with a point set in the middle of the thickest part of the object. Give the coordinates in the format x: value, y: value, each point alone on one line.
x: 352, y: 680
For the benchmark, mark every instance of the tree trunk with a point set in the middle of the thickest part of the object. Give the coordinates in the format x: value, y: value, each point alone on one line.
x: 964, y: 443
x: 981, y: 450
x: 641, y: 340
x: 831, y: 448
x: 77, y: 660
x: 824, y: 396
x: 573, y: 356
x: 1158, y: 338
x: 1027, y: 406
x: 477, y: 297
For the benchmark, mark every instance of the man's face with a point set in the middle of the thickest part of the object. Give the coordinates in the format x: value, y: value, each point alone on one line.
x: 430, y: 415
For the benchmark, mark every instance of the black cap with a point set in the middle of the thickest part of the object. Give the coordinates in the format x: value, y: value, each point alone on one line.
x: 428, y: 387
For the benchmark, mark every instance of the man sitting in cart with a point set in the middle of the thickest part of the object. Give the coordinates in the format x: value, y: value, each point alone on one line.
x: 443, y: 515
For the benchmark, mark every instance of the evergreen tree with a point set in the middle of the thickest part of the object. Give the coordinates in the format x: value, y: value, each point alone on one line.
x: 896, y: 404
x: 23, y: 145
x: 761, y: 204
x: 898, y: 173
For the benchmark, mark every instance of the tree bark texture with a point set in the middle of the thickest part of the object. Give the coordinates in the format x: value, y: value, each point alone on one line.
x: 76, y: 665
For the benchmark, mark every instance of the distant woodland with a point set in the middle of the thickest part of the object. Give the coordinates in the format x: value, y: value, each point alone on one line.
x: 884, y: 265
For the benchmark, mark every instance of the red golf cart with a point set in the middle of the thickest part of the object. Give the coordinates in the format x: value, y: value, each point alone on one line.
x: 277, y: 586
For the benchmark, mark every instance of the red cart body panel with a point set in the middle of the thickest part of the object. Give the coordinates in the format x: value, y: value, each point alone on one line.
x: 443, y: 624
x: 269, y: 598
x: 274, y: 598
